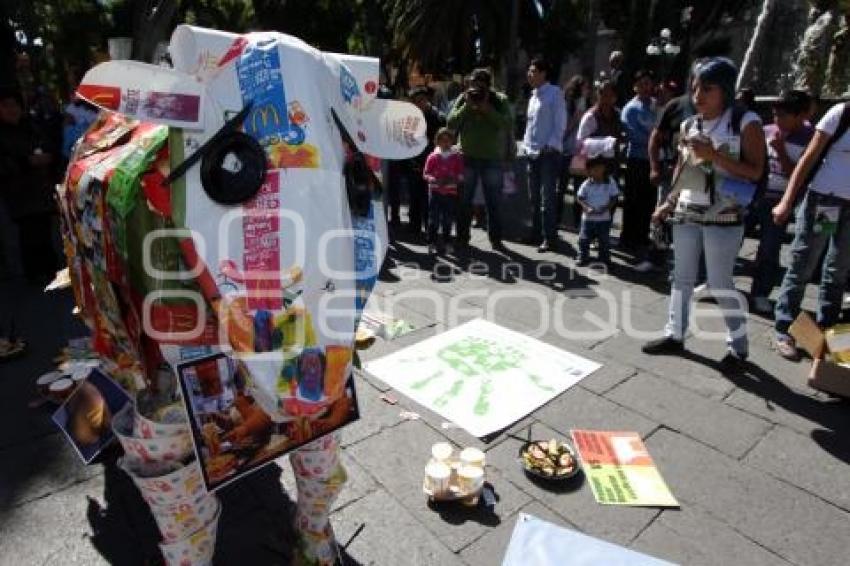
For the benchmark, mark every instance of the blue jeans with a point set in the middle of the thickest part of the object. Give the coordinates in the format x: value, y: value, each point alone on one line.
x: 767, y: 267
x: 806, y: 250
x: 542, y: 184
x: 490, y: 173
x: 599, y: 230
x: 441, y: 215
x: 720, y: 244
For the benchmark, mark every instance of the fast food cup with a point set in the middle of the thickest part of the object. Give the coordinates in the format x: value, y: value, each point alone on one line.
x: 177, y: 521
x: 197, y: 549
x: 169, y: 421
x: 181, y: 485
x: 149, y: 456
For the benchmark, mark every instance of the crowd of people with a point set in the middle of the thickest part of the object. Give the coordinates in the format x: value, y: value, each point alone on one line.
x: 693, y: 168
x: 693, y: 172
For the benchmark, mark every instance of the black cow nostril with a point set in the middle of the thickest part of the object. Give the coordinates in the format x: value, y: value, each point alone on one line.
x: 233, y: 168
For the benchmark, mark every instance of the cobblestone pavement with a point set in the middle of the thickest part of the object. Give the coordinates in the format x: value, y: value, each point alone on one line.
x: 759, y: 462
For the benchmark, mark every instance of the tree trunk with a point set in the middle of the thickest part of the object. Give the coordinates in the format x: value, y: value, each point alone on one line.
x: 757, y: 42
x: 810, y: 64
x: 838, y: 67
x: 589, y: 50
x: 509, y: 69
x: 152, y: 23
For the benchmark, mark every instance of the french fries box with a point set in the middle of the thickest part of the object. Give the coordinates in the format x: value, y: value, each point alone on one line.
x: 825, y: 375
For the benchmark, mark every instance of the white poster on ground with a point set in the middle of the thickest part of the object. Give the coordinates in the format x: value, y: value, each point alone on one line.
x: 481, y: 376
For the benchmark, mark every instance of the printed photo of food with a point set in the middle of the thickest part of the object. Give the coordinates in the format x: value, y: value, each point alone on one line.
x: 86, y: 417
x: 234, y: 436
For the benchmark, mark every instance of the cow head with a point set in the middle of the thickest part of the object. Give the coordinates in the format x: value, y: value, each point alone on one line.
x: 247, y: 215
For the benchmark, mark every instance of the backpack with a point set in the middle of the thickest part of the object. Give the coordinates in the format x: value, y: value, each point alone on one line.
x: 843, y: 125
x: 738, y: 112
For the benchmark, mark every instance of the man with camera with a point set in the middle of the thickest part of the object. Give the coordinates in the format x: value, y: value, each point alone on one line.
x: 482, y: 119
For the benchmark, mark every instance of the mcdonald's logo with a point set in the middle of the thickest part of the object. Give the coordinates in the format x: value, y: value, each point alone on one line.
x: 264, y: 112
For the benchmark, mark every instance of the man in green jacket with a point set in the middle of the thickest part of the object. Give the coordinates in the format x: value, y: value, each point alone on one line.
x: 482, y: 119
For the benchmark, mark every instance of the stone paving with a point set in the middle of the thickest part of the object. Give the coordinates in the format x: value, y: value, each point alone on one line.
x: 759, y: 462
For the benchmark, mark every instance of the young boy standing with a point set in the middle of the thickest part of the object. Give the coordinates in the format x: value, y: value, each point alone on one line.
x: 443, y: 172
x: 598, y: 199
x: 787, y: 139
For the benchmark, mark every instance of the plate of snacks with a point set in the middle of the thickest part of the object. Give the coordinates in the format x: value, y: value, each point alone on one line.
x: 551, y: 460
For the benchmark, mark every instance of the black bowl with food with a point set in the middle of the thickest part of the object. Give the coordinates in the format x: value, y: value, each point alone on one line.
x: 550, y: 460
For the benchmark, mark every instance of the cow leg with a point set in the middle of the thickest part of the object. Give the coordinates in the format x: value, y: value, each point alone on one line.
x: 319, y: 477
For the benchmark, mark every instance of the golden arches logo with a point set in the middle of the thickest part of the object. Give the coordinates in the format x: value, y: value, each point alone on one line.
x: 264, y: 112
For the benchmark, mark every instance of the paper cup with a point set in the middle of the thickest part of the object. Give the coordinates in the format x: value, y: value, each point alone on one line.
x: 441, y: 451
x: 149, y: 456
x: 181, y: 485
x: 470, y: 478
x: 472, y: 457
x: 179, y: 520
x: 170, y: 421
x: 437, y: 475
x: 43, y: 382
x: 195, y: 550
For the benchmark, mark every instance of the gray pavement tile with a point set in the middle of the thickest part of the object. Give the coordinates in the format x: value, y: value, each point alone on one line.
x: 529, y: 307
x: 793, y: 375
x: 730, y: 430
x: 490, y: 549
x: 577, y: 408
x: 816, y: 462
x: 691, y: 536
x: 611, y: 374
x: 576, y: 502
x: 451, y: 430
x: 795, y: 525
x: 52, y: 530
x: 390, y: 534
x: 692, y: 371
x: 396, y: 458
x: 40, y: 467
x: 375, y: 414
x: 772, y: 400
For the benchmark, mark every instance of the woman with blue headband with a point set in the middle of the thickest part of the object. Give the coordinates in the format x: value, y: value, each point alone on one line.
x: 721, y: 159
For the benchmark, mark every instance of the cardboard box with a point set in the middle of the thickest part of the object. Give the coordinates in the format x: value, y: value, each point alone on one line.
x: 824, y: 375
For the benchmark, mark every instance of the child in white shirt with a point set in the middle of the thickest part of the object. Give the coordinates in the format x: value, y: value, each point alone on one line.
x: 598, y: 199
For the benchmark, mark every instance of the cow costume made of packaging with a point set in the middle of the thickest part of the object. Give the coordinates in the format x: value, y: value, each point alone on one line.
x: 222, y: 206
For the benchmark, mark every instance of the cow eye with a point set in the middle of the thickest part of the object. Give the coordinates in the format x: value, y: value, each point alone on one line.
x: 233, y: 168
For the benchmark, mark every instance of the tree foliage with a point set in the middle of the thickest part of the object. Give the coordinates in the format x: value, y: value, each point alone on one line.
x: 449, y: 35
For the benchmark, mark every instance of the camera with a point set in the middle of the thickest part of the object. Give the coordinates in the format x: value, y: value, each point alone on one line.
x: 476, y: 95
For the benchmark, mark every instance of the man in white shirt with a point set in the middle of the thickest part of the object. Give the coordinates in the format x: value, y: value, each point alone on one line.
x: 543, y: 143
x: 823, y: 219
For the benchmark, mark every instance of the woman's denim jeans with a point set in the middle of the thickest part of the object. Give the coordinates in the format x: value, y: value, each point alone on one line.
x: 720, y: 244
x: 806, y: 250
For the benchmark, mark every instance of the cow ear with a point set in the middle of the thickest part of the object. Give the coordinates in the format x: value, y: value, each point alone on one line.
x: 388, y: 129
x: 146, y: 92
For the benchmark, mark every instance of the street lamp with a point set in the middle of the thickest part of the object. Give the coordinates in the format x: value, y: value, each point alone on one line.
x: 662, y: 50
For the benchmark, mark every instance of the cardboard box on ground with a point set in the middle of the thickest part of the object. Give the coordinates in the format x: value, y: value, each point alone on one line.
x: 826, y: 374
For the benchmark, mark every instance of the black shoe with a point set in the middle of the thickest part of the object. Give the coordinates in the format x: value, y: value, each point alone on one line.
x: 544, y: 247
x: 582, y: 261
x: 732, y: 363
x: 666, y: 345
x: 497, y: 245
x: 531, y: 240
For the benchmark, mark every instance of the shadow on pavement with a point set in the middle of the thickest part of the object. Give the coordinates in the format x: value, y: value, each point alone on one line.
x: 255, y: 525
x: 831, y: 414
x: 833, y: 442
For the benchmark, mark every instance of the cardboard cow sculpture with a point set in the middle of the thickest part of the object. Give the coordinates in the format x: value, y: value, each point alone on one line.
x: 223, y: 210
